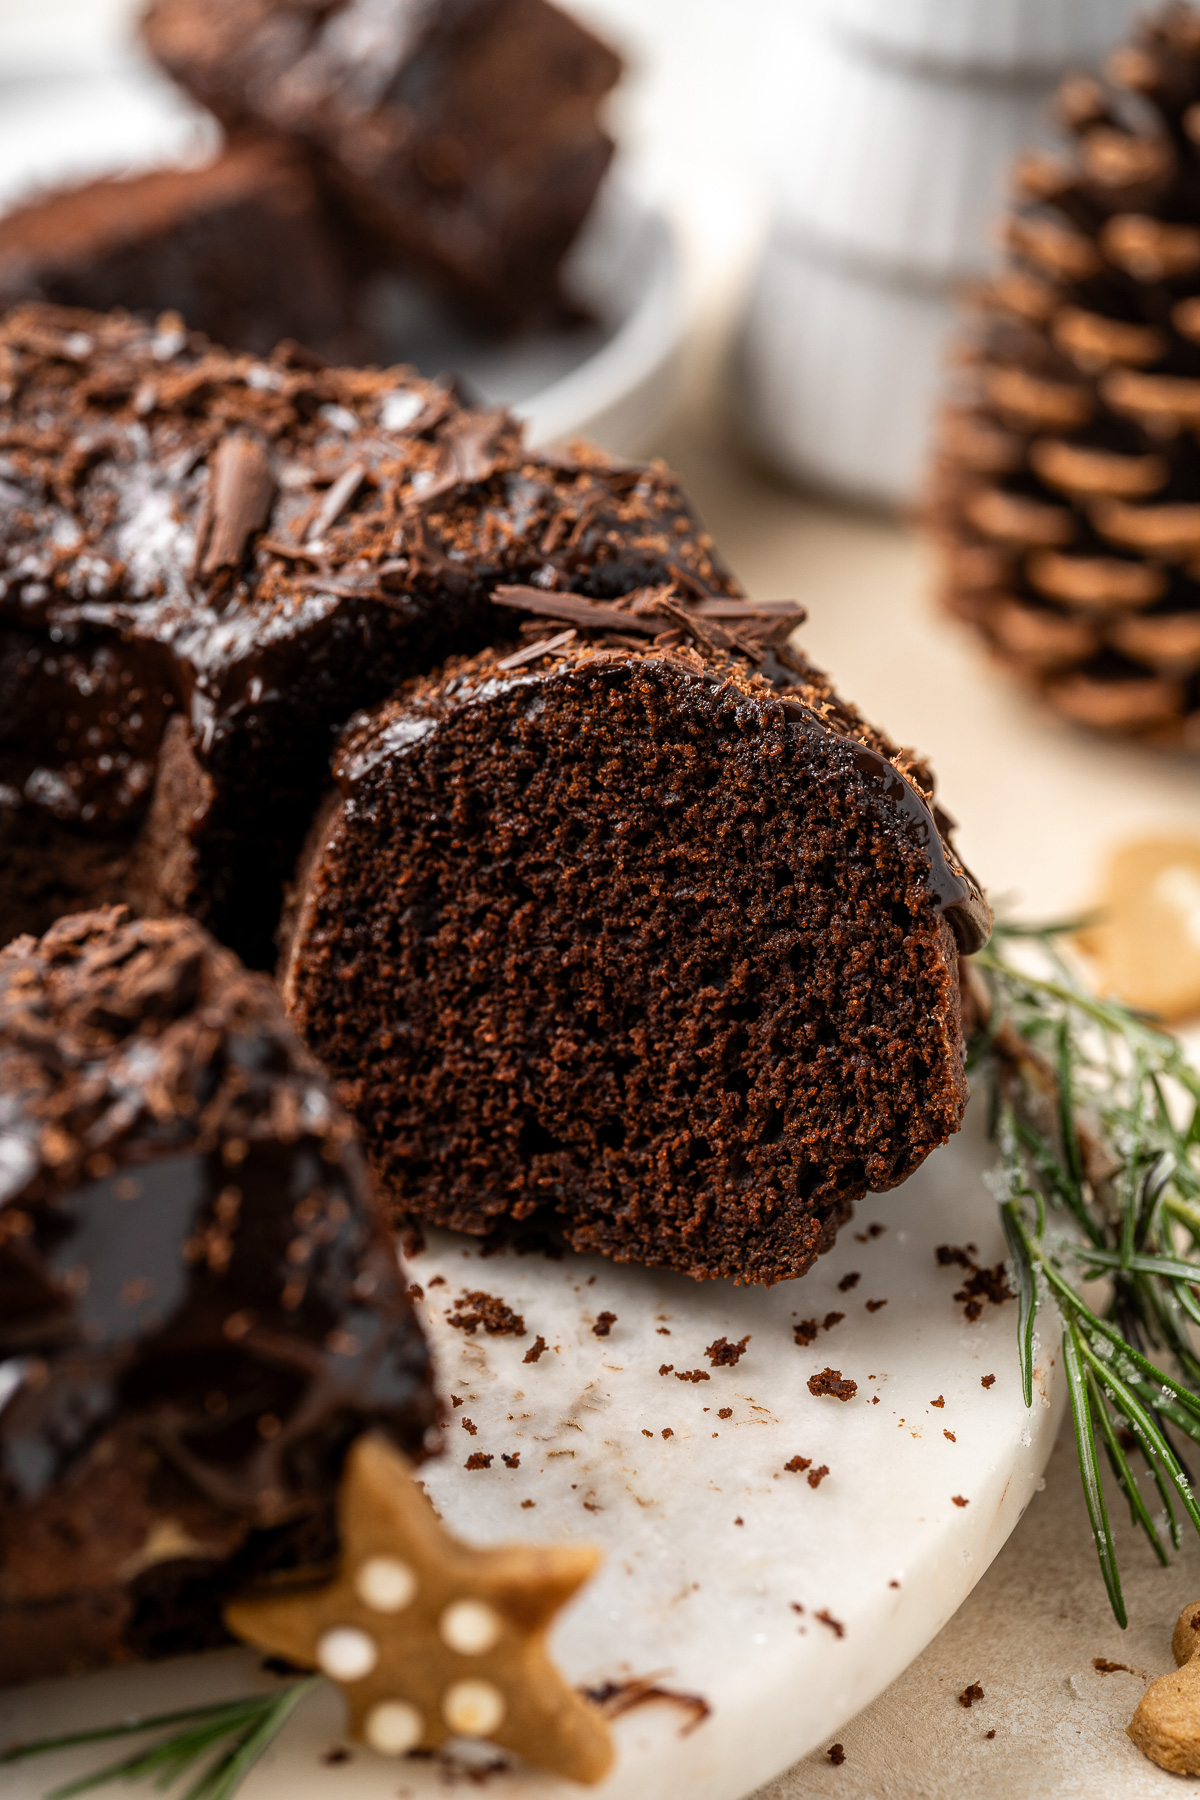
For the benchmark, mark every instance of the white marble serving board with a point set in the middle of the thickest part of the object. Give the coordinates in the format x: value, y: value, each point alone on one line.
x: 719, y: 1564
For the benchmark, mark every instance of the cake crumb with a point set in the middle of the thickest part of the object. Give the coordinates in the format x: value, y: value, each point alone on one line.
x: 663, y: 1331
x: 536, y: 1349
x: 456, y: 1399
x: 604, y: 1324
x: 667, y: 1431
x: 513, y: 1461
x: 725, y: 1412
x: 415, y: 1292
x: 876, y: 1230
x: 893, y: 1584
x: 526, y: 1504
x: 970, y: 1694
x: 830, y: 1382
x: 959, y: 1501
x: 951, y: 1436
x: 1103, y: 1667
x: 691, y: 1374
x: 475, y: 1308
x: 817, y: 1476
x: 646, y: 1433
x: 831, y: 1319
x: 991, y: 1733
x: 739, y: 1521
x: 940, y: 1401
x: 987, y: 1381
x: 478, y: 1460
x: 469, y: 1425
x: 722, y: 1354
x: 666, y: 1368
x: 835, y: 1625
x: 805, y: 1332
x: 849, y: 1281
x: 339, y: 1754
x: 438, y: 1281
x: 874, y: 1305
x: 836, y: 1755
x: 798, y: 1464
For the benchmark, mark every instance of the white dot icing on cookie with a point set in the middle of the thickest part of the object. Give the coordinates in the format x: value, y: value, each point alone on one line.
x: 345, y: 1653
x: 393, y: 1727
x: 385, y: 1584
x: 473, y: 1707
x: 470, y: 1626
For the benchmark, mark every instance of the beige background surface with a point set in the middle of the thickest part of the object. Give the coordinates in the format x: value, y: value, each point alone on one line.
x: 1040, y: 805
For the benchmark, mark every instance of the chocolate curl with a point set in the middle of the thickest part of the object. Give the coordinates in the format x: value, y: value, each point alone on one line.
x: 241, y: 491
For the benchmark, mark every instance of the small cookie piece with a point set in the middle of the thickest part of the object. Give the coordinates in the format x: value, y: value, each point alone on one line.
x: 429, y: 1638
x: 1147, y: 939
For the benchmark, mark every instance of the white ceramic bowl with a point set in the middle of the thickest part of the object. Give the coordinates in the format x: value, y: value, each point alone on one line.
x: 1009, y: 37
x: 836, y: 373
x: 898, y: 167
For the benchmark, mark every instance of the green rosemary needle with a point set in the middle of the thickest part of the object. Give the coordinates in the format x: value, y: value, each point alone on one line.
x: 1095, y: 1113
x: 234, y: 1733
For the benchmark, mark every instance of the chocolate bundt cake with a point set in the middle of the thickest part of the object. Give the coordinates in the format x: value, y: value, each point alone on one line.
x: 242, y: 249
x: 209, y: 561
x: 462, y: 136
x: 199, y: 1307
x: 618, y: 936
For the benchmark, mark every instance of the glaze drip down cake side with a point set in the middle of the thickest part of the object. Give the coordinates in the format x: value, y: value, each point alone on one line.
x: 620, y: 938
x: 199, y: 1307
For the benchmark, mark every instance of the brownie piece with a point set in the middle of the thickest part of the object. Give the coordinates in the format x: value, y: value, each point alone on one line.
x: 462, y: 135
x: 242, y: 250
x: 640, y: 935
x: 208, y: 561
x: 199, y: 1306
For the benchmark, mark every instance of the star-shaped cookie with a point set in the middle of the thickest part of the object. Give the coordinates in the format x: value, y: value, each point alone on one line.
x: 429, y: 1638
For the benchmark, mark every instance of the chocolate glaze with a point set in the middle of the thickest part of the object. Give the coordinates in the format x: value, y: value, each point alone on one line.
x: 390, y: 514
x: 191, y: 1271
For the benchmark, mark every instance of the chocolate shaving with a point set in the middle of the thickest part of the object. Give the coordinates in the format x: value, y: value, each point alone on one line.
x: 242, y: 487
x: 337, y: 499
x: 532, y: 652
x: 617, y: 1697
x: 655, y: 611
x: 576, y: 608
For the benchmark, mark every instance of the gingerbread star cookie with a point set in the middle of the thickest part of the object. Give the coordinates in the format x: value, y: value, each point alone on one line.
x: 429, y: 1638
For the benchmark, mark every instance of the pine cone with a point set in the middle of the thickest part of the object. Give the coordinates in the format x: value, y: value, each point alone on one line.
x: 1066, y: 483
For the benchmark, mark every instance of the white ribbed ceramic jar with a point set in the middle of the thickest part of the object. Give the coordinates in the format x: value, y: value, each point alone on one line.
x: 1005, y: 37
x: 901, y: 168
x: 834, y: 371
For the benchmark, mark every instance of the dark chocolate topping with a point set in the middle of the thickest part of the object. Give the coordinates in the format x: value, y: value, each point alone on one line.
x: 187, y: 1248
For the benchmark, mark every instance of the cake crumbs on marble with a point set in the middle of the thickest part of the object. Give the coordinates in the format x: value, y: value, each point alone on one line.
x: 725, y: 1412
x: 836, y: 1755
x: 826, y: 1618
x: 604, y: 1324
x: 959, y: 1500
x: 970, y: 1694
x: 874, y: 1305
x: 832, y: 1382
x: 722, y: 1354
x: 987, y: 1381
x: 475, y: 1308
x: 478, y: 1459
x: 538, y: 1348
x: 940, y: 1401
x: 849, y: 1281
x: 469, y: 1425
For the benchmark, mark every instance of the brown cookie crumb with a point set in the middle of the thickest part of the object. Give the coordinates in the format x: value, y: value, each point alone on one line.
x: 722, y: 1354
x: 830, y: 1382
x: 940, y: 1401
x: 817, y: 1476
x: 646, y: 1433
x: 725, y: 1412
x: 835, y: 1625
x: 951, y: 1436
x: 798, y: 1464
x: 604, y: 1324
x: 471, y: 1310
x: 456, y: 1399
x: 836, y: 1755
x: 469, y: 1425
x: 536, y: 1349
x: 970, y: 1694
x: 987, y: 1381
x: 689, y: 1374
x: 959, y: 1501
x: 849, y: 1281
x: 478, y: 1460
x: 667, y: 1432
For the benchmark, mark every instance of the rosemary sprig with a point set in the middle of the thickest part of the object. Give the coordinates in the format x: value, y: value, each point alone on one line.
x: 1096, y: 1116
x: 235, y: 1733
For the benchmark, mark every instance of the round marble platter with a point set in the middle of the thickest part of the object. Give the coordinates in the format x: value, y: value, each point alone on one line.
x: 764, y: 1611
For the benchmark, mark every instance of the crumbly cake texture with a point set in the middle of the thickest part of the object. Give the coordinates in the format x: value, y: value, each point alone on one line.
x: 208, y: 561
x: 461, y: 135
x: 200, y: 1308
x: 619, y: 939
x: 242, y: 249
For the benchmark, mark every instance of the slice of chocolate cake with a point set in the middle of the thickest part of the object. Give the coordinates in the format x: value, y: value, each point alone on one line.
x: 209, y: 561
x: 241, y: 249
x: 617, y: 937
x: 199, y: 1308
x: 463, y: 135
